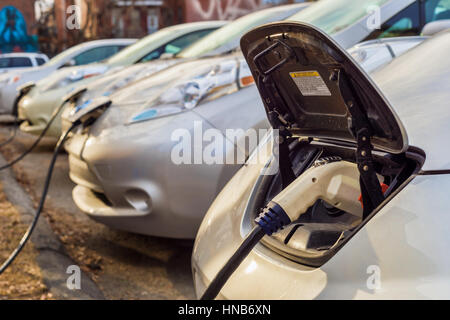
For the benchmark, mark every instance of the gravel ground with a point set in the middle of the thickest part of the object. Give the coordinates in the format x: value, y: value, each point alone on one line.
x: 121, y: 265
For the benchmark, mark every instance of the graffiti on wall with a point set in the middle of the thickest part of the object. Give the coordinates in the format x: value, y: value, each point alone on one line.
x: 224, y: 9
x: 13, y: 32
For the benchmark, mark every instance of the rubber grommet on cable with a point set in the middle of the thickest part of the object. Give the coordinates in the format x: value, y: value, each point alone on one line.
x: 273, y: 218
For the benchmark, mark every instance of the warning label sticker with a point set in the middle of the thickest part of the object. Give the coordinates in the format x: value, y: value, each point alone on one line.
x: 310, y: 83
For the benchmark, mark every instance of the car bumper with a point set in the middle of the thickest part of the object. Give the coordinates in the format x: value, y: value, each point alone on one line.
x: 35, y: 110
x: 33, y: 128
x: 130, y: 167
x: 8, y: 96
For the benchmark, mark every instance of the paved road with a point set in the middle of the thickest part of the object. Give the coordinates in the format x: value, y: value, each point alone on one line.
x: 121, y: 265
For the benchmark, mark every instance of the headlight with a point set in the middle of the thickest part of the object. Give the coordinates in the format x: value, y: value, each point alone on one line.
x: 13, y: 79
x: 222, y: 79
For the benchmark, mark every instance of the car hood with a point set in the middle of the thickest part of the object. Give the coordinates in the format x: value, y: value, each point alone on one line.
x: 27, y: 74
x: 138, y: 95
x: 117, y: 78
x: 6, y: 70
x: 33, y: 73
x: 73, y: 73
x: 310, y: 83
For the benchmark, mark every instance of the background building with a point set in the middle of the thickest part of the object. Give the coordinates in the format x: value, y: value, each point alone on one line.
x: 59, y: 26
x: 17, y: 26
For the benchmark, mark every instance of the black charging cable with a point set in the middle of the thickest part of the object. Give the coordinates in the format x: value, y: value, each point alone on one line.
x: 30, y: 229
x: 13, y: 135
x: 270, y: 220
x: 233, y: 263
x: 36, y: 142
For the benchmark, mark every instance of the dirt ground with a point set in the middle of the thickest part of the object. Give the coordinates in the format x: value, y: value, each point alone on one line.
x: 23, y: 280
x: 121, y: 265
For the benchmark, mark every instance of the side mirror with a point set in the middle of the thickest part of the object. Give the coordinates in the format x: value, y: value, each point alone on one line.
x: 70, y: 63
x: 434, y: 27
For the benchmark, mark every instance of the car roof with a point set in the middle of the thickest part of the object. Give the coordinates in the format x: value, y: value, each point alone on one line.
x: 22, y: 54
x: 200, y: 25
x: 417, y: 84
x: 287, y: 7
x: 390, y: 41
x: 105, y: 42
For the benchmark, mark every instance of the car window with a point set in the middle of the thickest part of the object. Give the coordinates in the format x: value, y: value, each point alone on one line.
x: 405, y: 23
x: 333, y: 16
x: 437, y: 10
x: 4, y: 62
x: 15, y: 62
x: 177, y: 45
x: 233, y: 31
x: 96, y: 54
x: 40, y: 61
x: 21, y: 62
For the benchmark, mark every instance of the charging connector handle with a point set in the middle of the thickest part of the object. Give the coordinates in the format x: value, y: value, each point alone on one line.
x: 335, y: 183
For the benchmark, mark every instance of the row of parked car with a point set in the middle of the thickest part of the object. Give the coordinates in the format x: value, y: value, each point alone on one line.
x: 195, y: 77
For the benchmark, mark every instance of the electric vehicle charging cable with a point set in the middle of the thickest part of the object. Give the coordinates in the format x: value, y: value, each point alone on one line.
x: 85, y: 117
x: 36, y: 142
x: 336, y: 183
x: 233, y: 263
x: 13, y: 135
x: 30, y: 229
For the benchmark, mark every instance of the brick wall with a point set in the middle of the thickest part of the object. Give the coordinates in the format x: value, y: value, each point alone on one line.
x: 198, y: 10
x: 27, y: 9
x: 18, y: 29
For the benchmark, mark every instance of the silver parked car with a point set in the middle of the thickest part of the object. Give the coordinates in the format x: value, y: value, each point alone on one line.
x: 16, y: 61
x: 81, y: 54
x: 374, y: 54
x: 380, y: 142
x: 222, y: 41
x: 141, y: 205
x: 36, y: 106
x: 123, y: 165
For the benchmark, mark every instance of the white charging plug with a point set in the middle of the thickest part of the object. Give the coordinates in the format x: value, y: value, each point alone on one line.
x: 336, y: 183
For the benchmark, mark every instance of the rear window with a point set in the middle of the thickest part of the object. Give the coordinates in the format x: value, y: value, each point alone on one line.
x: 15, y: 62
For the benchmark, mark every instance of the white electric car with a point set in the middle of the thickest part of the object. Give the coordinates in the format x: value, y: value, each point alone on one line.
x: 19, y: 60
x: 368, y: 174
x: 80, y: 54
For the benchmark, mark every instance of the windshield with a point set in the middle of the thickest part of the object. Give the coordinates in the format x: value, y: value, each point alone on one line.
x: 140, y: 48
x: 63, y: 55
x: 226, y: 34
x: 333, y: 16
